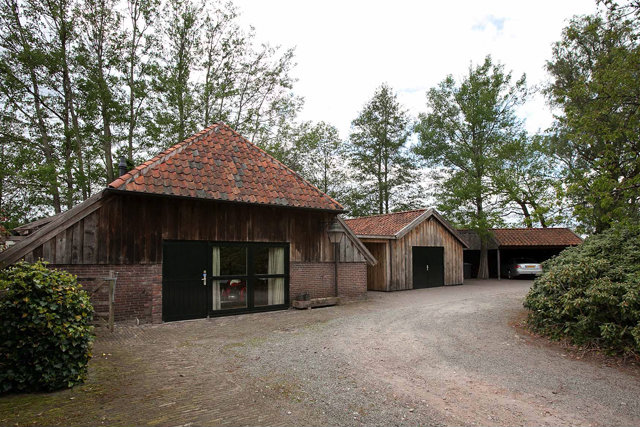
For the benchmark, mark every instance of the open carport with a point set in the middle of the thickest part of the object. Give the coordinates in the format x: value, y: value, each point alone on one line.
x: 539, y: 244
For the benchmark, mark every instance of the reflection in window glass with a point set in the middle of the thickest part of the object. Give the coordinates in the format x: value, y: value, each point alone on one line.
x: 269, y: 292
x: 233, y: 260
x: 244, y: 279
x: 232, y: 294
x: 261, y: 293
x: 261, y: 260
x: 268, y: 260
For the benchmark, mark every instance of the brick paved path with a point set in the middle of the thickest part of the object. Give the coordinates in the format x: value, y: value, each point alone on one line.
x: 174, y: 374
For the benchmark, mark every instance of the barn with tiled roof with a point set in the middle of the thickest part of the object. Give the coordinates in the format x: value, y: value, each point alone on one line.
x: 219, y: 164
x: 211, y: 226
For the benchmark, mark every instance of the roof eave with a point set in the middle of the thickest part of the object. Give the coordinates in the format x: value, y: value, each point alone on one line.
x: 174, y: 196
x: 375, y: 236
x: 539, y: 246
x: 76, y: 213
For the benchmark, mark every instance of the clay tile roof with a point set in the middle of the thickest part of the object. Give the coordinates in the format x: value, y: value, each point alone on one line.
x: 218, y: 163
x: 536, y: 237
x: 383, y: 225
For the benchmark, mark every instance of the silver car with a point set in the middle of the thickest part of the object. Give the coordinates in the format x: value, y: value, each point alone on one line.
x: 519, y: 267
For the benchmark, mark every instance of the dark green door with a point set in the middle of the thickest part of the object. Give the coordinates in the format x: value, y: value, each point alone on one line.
x: 184, y: 294
x: 240, y: 277
x: 428, y: 266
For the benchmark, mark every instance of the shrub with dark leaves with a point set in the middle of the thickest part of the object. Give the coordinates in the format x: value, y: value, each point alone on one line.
x: 45, y: 329
x: 591, y: 293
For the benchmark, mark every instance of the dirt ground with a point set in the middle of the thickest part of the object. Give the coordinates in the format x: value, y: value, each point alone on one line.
x: 441, y: 356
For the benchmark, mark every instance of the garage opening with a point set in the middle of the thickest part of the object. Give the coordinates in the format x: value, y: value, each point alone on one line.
x: 201, y: 279
x: 539, y: 255
x: 428, y: 266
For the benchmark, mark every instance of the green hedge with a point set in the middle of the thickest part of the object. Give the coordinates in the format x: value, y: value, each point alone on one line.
x: 591, y: 293
x: 45, y: 329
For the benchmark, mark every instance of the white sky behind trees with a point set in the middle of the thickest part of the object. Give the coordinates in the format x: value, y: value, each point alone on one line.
x: 345, y: 49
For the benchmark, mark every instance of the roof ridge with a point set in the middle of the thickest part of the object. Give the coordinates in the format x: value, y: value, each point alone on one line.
x: 162, y: 156
x: 323, y: 194
x: 390, y: 213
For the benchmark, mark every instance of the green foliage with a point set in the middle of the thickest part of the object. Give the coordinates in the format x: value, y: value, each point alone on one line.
x: 466, y: 136
x: 19, y: 164
x: 594, y: 71
x: 83, y: 82
x: 591, y: 293
x: 175, y: 115
x: 100, y: 53
x: 45, y: 331
x: 316, y: 152
x: 527, y: 183
x: 378, y: 153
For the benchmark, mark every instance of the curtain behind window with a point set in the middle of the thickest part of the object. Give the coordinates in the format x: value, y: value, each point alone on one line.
x: 276, y: 285
x: 216, y: 283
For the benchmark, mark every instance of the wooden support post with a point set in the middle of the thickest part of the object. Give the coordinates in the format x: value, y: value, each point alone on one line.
x: 498, y: 257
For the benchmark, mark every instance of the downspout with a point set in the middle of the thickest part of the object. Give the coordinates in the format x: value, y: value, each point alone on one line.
x: 335, y: 264
x: 336, y: 233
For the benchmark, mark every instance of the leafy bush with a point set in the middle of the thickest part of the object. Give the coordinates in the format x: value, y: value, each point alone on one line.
x: 45, y: 331
x: 591, y: 293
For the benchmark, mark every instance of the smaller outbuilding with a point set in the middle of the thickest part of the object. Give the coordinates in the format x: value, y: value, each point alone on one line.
x: 414, y: 249
x: 506, y: 244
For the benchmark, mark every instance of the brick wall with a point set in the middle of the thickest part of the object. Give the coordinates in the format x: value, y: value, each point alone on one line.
x: 317, y: 278
x: 352, y: 280
x: 138, y: 289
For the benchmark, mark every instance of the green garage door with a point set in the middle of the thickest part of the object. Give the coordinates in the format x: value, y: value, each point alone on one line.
x: 428, y: 266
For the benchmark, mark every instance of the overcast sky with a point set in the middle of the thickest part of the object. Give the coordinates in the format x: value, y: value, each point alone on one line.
x: 345, y: 49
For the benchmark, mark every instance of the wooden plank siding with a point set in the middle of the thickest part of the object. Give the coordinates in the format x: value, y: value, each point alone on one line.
x: 395, y: 257
x: 129, y: 229
x: 427, y: 233
x: 378, y: 275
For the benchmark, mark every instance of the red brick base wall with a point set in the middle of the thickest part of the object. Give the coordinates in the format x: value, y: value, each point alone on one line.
x: 138, y: 289
x: 317, y: 278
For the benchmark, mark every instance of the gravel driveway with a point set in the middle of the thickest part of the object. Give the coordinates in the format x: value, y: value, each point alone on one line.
x: 441, y: 356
